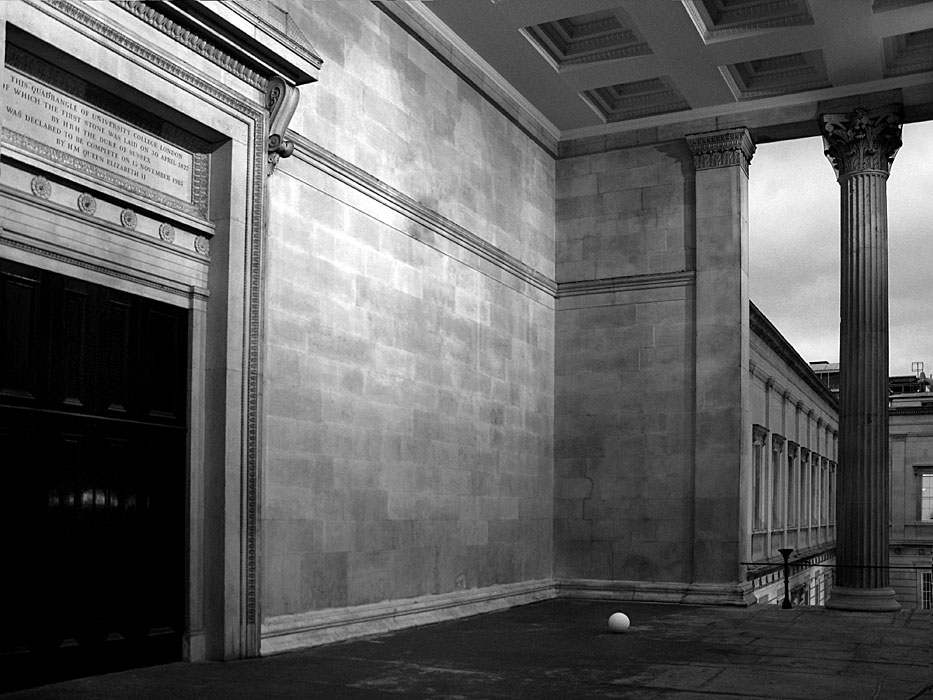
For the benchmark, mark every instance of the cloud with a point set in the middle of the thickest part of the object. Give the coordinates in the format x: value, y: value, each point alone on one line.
x: 794, y: 247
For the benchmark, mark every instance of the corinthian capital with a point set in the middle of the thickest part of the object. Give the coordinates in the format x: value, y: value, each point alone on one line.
x: 862, y: 140
x: 722, y: 149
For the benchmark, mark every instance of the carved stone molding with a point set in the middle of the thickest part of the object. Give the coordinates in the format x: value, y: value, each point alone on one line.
x: 722, y: 149
x: 611, y: 285
x: 201, y: 44
x: 281, y: 101
x: 128, y: 218
x: 41, y: 187
x: 87, y: 204
x: 443, y: 229
x: 202, y: 245
x: 190, y: 293
x: 80, y: 93
x: 167, y: 232
x: 862, y: 140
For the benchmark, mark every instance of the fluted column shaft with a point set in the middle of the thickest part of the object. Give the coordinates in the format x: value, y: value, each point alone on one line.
x: 861, y: 146
x: 863, y: 384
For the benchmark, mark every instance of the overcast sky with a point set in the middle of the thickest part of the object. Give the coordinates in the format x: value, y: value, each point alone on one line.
x: 794, y: 247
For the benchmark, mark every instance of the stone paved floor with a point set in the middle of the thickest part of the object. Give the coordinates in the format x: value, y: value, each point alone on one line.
x: 563, y: 649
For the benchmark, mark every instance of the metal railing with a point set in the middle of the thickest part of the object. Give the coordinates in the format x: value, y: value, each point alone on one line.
x: 804, y: 562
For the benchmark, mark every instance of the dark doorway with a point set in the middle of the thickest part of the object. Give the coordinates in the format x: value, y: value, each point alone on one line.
x: 93, y: 394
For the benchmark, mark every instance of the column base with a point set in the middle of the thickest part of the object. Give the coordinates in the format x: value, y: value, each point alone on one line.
x: 863, y: 599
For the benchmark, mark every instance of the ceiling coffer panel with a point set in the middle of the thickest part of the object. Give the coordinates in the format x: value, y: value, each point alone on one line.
x: 641, y: 98
x: 590, y: 38
x: 883, y: 5
x: 720, y: 20
x: 908, y: 53
x: 777, y: 75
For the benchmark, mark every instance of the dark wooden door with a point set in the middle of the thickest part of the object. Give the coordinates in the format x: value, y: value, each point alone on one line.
x: 93, y: 396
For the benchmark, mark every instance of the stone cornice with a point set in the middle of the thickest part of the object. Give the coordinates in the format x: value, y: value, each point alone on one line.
x: 771, y: 336
x: 910, y: 410
x: 722, y: 149
x: 234, y: 37
x: 862, y: 140
x: 194, y: 40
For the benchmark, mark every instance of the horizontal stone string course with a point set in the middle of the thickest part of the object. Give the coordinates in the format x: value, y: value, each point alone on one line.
x: 349, y: 174
x: 625, y: 284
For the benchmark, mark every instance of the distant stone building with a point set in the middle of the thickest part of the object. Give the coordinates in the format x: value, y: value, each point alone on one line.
x: 794, y: 463
x: 911, y: 422
x: 910, y: 416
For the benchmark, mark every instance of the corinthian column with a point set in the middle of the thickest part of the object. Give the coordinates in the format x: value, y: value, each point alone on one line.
x: 861, y: 146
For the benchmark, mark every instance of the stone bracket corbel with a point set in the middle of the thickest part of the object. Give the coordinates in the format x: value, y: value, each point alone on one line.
x: 281, y: 102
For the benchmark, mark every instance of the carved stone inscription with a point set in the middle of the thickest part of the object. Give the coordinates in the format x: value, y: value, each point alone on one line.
x: 58, y: 121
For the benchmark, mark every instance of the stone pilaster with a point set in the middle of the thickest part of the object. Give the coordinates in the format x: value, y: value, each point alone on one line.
x: 722, y: 457
x: 861, y: 146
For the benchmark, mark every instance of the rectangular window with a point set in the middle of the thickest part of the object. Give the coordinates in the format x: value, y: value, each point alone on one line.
x: 759, y: 477
x: 926, y: 496
x: 803, y: 512
x: 793, y: 485
x: 926, y: 590
x: 824, y: 501
x: 814, y: 490
x: 832, y: 493
x: 777, y: 495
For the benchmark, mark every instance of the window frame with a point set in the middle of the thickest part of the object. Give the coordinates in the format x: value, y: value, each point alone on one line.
x: 924, y: 472
x: 793, y: 486
x: 777, y: 483
x: 803, y: 508
x: 760, y: 479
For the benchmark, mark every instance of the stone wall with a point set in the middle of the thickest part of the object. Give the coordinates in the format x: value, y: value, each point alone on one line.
x: 624, y: 378
x: 388, y: 106
x: 409, y: 317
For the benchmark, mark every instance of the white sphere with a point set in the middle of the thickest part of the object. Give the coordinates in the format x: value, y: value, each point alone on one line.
x: 619, y: 622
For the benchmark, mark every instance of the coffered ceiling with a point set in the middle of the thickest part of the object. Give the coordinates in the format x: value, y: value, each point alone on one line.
x: 603, y: 66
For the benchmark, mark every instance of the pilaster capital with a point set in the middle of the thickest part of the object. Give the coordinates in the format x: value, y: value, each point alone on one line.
x: 722, y: 149
x: 862, y: 140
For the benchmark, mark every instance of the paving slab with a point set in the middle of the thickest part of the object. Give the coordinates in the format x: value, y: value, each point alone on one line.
x: 562, y: 649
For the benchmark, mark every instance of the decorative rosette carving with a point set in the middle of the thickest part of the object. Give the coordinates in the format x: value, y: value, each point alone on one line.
x: 862, y: 140
x: 41, y: 187
x: 87, y: 204
x: 167, y: 232
x: 202, y: 245
x: 128, y: 218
